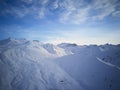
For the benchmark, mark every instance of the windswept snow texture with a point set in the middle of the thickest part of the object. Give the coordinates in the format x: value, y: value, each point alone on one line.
x: 25, y: 65
x: 94, y: 67
x: 32, y: 65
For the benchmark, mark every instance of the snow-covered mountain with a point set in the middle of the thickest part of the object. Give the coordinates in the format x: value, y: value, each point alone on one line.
x: 24, y: 65
x: 94, y: 67
x: 33, y: 65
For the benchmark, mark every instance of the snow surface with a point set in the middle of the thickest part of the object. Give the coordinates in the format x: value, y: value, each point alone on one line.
x: 24, y: 65
x: 33, y: 65
x: 93, y: 68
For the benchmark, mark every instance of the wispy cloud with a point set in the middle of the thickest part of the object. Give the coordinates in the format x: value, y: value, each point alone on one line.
x: 104, y: 8
x: 76, y: 16
x: 96, y: 10
x: 116, y: 13
x: 65, y: 11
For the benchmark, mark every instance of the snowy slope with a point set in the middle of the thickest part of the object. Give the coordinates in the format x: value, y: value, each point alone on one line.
x: 57, y: 51
x: 91, y: 73
x: 110, y: 54
x: 32, y: 65
x: 107, y: 53
x: 94, y: 67
x: 24, y: 65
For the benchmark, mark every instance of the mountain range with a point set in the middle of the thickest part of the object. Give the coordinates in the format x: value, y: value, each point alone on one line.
x: 33, y: 65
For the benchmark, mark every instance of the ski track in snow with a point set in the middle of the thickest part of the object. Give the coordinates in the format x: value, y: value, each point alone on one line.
x: 107, y: 63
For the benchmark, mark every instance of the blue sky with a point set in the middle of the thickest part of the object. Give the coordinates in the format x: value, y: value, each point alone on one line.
x: 56, y: 21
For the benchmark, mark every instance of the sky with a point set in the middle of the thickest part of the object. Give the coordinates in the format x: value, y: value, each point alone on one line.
x: 57, y: 21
